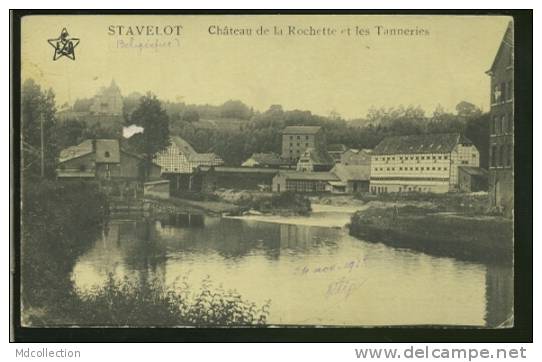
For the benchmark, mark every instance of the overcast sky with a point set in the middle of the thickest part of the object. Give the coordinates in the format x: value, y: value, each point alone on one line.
x: 347, y: 74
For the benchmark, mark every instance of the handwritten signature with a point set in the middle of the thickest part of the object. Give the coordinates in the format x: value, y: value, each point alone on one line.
x: 323, y: 269
x: 343, y: 287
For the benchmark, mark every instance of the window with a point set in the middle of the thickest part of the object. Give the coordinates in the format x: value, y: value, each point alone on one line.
x: 291, y: 144
x: 438, y: 168
x: 510, y: 122
x: 306, y: 145
x: 503, y: 90
x: 291, y: 137
x: 106, y: 154
x: 493, y: 156
x: 416, y: 169
x: 306, y: 137
x: 298, y: 137
x: 421, y: 168
x: 400, y: 169
x: 433, y: 169
x: 464, y: 162
x: 445, y: 157
x: 440, y: 157
x: 423, y: 157
x: 502, y: 155
x: 510, y: 93
x: 497, y: 129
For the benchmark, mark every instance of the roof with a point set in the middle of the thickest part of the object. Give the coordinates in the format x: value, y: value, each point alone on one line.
x: 232, y: 169
x: 473, y: 171
x: 507, y: 39
x: 75, y: 174
x: 183, y: 145
x: 158, y: 182
x: 424, y: 143
x: 205, y: 157
x: 315, y: 176
x: 107, y: 151
x: 301, y: 130
x: 337, y: 147
x: 352, y: 172
x: 318, y: 156
x: 268, y: 159
x: 72, y: 152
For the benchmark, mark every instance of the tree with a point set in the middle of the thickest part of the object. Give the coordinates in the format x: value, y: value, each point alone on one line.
x: 467, y: 110
x: 235, y: 109
x: 190, y: 115
x: 150, y: 115
x: 37, y: 106
x: 69, y: 133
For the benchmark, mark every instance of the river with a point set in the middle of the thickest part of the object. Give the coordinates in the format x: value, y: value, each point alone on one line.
x: 311, y: 270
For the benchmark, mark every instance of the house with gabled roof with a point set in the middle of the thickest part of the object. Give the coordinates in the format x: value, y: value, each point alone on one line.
x: 314, y: 159
x: 269, y: 160
x: 102, y: 160
x: 421, y: 163
x: 181, y: 158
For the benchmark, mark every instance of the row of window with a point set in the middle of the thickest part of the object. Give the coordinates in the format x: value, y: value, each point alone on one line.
x: 502, y: 92
x: 401, y: 158
x: 305, y: 186
x: 412, y: 169
x: 299, y: 137
x: 502, y: 124
x: 384, y: 189
x: 306, y: 145
x: 501, y: 155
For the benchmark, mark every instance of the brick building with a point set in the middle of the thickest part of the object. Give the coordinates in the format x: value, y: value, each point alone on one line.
x: 501, y: 138
x: 296, y: 139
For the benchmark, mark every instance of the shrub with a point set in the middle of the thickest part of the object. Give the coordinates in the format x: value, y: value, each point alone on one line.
x: 149, y: 303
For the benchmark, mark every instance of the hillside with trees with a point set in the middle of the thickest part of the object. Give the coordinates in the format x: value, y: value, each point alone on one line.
x: 234, y: 130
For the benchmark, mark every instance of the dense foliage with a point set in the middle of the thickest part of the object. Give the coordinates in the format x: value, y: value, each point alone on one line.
x: 59, y: 223
x: 143, y: 303
x: 236, y: 140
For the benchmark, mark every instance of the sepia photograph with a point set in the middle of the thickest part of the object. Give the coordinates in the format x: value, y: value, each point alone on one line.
x: 266, y: 170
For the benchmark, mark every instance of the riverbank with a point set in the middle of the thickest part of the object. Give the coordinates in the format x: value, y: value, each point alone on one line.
x: 450, y: 225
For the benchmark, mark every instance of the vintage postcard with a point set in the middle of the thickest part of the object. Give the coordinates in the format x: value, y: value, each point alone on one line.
x: 266, y: 170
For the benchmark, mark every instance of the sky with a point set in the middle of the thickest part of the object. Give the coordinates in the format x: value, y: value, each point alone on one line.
x: 321, y: 73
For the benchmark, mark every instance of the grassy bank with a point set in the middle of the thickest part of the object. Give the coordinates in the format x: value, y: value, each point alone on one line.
x: 438, y: 231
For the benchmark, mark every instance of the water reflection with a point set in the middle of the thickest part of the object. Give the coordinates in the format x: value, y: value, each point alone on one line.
x: 313, y: 275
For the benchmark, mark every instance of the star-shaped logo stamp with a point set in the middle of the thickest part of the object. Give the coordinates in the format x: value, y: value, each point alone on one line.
x: 64, y: 45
